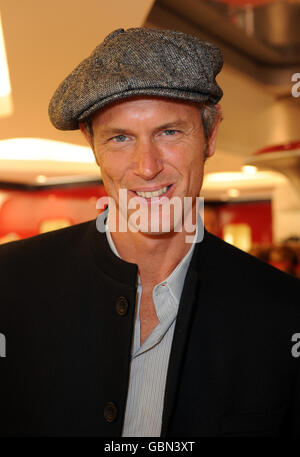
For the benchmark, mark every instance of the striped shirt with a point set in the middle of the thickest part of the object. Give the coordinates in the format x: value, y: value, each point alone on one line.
x: 149, y: 361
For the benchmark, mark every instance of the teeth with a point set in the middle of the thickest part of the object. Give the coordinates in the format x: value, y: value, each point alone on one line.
x: 156, y: 193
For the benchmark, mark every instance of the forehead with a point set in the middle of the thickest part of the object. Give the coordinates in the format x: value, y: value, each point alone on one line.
x: 146, y: 108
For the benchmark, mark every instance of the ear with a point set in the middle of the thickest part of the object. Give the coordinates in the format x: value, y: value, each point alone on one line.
x: 86, y: 134
x: 211, y: 142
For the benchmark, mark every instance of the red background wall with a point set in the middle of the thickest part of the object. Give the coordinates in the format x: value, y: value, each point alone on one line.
x: 22, y: 211
x: 258, y: 215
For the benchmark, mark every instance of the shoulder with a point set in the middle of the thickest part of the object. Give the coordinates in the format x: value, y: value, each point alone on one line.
x: 243, y: 276
x: 42, y: 257
x: 51, y: 242
x: 240, y: 262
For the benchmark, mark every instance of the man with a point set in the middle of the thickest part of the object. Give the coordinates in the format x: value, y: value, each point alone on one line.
x: 139, y: 332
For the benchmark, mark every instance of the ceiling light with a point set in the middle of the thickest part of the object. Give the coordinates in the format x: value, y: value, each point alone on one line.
x: 5, y: 89
x: 44, y: 150
x: 239, y: 178
x: 249, y: 170
x: 41, y: 179
x: 233, y: 192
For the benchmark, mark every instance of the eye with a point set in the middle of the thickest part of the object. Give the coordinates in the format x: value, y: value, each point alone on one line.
x: 170, y: 132
x: 119, y: 138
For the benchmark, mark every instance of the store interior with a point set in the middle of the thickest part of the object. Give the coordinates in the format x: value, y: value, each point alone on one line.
x: 251, y: 189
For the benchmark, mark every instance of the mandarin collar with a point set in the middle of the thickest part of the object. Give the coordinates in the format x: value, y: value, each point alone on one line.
x: 112, y: 265
x: 126, y: 272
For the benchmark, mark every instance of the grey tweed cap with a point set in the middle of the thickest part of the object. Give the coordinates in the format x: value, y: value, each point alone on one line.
x: 138, y: 61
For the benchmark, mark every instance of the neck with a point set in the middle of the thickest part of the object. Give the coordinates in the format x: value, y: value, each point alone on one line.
x: 155, y: 255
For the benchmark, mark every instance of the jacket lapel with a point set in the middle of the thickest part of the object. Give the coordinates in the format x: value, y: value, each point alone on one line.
x: 183, y: 322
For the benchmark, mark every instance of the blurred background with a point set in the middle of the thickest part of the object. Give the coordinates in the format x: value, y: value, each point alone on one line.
x: 49, y: 179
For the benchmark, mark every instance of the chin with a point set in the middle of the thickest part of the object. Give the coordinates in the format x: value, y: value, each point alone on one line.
x: 158, y: 227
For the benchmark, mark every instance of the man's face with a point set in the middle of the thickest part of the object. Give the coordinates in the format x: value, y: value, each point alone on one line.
x: 147, y: 145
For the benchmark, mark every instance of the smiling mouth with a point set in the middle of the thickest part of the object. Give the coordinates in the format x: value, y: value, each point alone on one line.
x: 156, y: 193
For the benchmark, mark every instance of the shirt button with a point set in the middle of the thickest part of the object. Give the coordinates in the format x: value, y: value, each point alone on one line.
x: 122, y: 306
x: 110, y: 412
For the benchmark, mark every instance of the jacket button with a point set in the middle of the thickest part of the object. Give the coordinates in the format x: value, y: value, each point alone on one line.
x: 122, y: 306
x: 110, y: 412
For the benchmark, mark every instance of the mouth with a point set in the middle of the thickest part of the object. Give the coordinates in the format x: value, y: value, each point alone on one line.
x: 162, y: 191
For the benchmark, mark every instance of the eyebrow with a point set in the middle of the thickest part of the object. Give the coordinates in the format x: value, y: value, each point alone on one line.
x: 171, y: 124
x: 168, y: 125
x: 112, y: 130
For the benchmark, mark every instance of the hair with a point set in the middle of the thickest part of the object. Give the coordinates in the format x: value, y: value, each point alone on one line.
x: 209, y: 116
x: 89, y: 126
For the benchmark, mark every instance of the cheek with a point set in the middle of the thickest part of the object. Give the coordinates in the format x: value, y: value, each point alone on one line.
x: 186, y: 154
x: 191, y: 165
x: 194, y: 173
x: 112, y: 168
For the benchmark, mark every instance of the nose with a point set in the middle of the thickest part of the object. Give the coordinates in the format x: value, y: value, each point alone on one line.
x: 148, y: 161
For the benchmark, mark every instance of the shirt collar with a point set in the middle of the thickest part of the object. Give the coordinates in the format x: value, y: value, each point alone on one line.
x: 175, y: 280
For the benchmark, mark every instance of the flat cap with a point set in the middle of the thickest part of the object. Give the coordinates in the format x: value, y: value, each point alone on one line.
x: 138, y: 61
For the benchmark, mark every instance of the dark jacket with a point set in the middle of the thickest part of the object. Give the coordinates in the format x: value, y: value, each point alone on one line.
x: 68, y: 341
